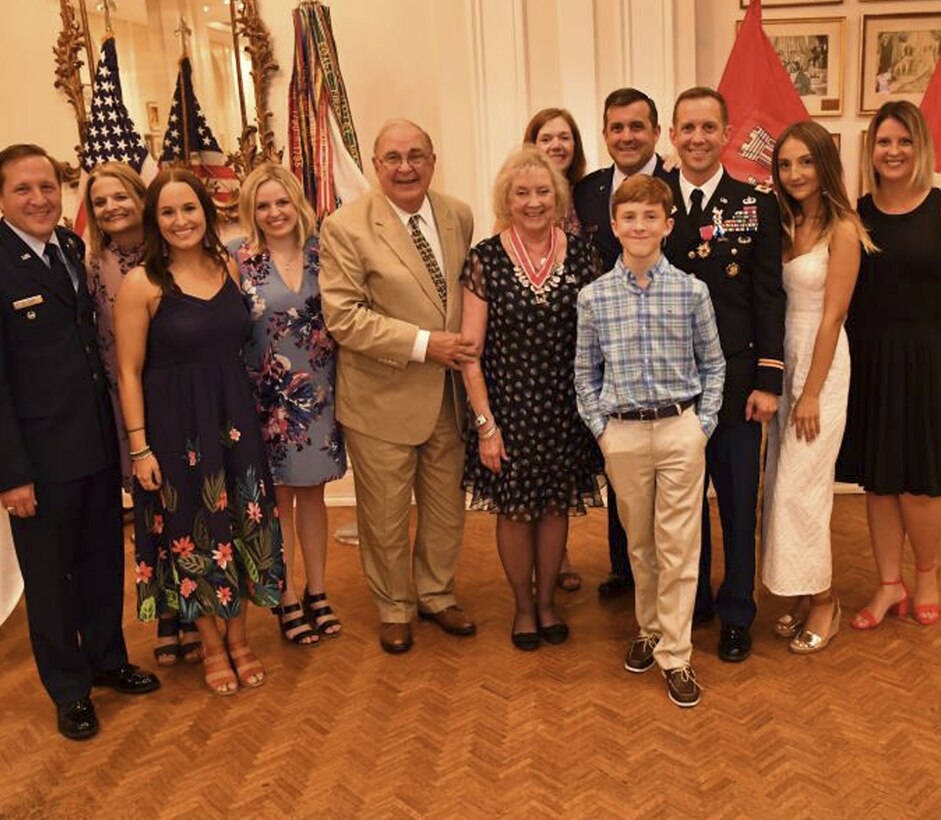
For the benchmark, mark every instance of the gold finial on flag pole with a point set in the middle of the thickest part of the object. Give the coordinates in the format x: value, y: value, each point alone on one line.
x: 184, y: 31
x: 107, y: 11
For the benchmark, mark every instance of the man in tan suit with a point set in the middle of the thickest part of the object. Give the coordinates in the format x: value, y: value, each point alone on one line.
x: 390, y: 263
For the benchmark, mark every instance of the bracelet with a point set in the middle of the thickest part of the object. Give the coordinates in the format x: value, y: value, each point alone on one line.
x: 140, y: 455
x: 489, y: 433
x: 134, y: 430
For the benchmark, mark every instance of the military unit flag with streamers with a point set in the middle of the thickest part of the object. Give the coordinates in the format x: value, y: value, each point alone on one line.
x: 324, y: 152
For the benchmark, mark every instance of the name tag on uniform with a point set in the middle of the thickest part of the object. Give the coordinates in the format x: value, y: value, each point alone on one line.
x: 28, y: 302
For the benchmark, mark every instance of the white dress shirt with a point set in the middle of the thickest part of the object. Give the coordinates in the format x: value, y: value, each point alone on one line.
x: 429, y: 229
x: 708, y: 188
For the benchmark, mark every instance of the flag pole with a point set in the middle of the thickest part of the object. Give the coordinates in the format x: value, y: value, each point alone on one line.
x: 184, y: 31
x: 89, y: 51
x: 238, y: 66
x: 107, y: 10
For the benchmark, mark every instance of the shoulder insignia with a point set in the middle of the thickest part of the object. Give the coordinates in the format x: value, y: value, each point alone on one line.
x: 765, y: 189
x: 749, y: 200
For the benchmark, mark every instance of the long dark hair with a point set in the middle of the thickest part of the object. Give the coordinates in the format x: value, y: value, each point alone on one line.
x: 156, y: 252
x: 834, y: 202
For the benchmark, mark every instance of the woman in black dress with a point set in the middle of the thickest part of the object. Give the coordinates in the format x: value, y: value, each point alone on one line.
x: 206, y: 524
x: 531, y: 460
x: 554, y: 132
x: 892, y: 445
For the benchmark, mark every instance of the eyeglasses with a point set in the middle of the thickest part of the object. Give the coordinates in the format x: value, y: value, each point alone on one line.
x: 414, y: 159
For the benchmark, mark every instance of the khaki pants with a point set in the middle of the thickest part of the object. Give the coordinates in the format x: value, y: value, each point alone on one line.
x: 385, y: 474
x: 657, y: 469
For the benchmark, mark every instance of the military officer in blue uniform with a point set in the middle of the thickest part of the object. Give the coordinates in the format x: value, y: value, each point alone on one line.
x: 727, y: 233
x: 631, y: 129
x: 60, y: 479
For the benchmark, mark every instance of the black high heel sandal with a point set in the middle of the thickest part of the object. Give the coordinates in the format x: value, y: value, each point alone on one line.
x: 190, y: 650
x: 168, y: 654
x: 304, y: 631
x: 319, y: 615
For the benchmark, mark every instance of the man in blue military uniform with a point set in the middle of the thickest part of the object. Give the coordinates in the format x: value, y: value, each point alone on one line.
x: 631, y: 130
x: 59, y: 474
x: 727, y: 233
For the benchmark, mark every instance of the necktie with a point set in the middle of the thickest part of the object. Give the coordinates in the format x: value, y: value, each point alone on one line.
x: 695, y: 206
x: 428, y: 257
x: 57, y: 265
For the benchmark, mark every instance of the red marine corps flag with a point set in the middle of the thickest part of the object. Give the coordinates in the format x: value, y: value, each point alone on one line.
x: 931, y: 108
x: 762, y: 101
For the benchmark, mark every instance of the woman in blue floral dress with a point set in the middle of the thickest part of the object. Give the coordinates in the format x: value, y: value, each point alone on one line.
x: 207, y: 533
x: 291, y: 361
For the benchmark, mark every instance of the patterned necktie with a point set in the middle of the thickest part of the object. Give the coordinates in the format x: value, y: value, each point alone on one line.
x: 695, y: 205
x: 428, y: 257
x: 57, y: 265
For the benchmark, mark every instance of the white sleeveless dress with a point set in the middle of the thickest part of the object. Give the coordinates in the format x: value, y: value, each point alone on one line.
x: 798, y: 491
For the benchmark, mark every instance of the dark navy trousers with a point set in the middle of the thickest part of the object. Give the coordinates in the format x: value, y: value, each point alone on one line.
x: 733, y: 457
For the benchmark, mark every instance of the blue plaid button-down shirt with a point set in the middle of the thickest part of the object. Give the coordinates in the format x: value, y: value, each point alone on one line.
x: 645, y: 348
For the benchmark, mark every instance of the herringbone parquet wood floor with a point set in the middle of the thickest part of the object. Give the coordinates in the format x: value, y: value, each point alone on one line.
x: 471, y: 728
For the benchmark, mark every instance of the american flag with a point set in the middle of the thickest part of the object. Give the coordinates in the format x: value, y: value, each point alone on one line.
x: 187, y: 129
x: 112, y: 135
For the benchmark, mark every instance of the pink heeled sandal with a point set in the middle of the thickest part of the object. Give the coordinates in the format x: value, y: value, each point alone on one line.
x: 927, y: 614
x: 866, y: 620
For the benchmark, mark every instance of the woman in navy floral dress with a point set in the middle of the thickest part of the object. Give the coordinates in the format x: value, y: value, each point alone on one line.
x: 291, y: 361
x: 207, y: 533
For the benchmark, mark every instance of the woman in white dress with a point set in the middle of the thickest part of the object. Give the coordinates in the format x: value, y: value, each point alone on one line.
x: 822, y: 245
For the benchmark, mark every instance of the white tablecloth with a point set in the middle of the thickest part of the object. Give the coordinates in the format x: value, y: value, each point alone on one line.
x: 11, y: 582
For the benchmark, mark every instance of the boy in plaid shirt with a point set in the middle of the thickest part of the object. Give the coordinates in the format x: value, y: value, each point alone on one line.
x: 649, y: 373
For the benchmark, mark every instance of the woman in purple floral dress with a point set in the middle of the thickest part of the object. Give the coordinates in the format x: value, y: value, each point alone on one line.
x: 208, y: 540
x: 291, y: 361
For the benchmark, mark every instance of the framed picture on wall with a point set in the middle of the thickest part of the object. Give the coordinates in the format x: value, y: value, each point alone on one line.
x: 811, y: 51
x: 836, y: 140
x: 898, y: 53
x: 770, y: 4
x: 153, y: 116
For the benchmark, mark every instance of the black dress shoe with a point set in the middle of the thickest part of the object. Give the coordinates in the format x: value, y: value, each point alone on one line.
x: 734, y: 644
x: 555, y: 633
x: 77, y: 719
x: 525, y: 641
x: 615, y: 586
x: 128, y: 679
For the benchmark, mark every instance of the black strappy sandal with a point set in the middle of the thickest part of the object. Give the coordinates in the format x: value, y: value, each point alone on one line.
x: 320, y: 616
x: 304, y: 631
x: 191, y: 650
x: 168, y: 654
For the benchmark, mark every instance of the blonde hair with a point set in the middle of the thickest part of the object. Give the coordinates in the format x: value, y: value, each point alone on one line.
x: 908, y: 115
x: 306, y: 220
x: 834, y: 201
x: 133, y: 184
x: 523, y: 159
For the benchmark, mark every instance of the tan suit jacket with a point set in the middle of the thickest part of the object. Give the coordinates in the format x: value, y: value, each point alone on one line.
x: 377, y: 294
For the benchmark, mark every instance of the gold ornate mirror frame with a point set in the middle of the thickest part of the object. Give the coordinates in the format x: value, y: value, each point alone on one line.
x: 257, y: 141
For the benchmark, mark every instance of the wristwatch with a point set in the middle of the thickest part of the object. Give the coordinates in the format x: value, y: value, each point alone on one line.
x: 480, y: 420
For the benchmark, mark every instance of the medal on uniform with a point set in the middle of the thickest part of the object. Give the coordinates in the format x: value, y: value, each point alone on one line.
x: 731, y: 270
x: 703, y: 250
x: 718, y: 228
